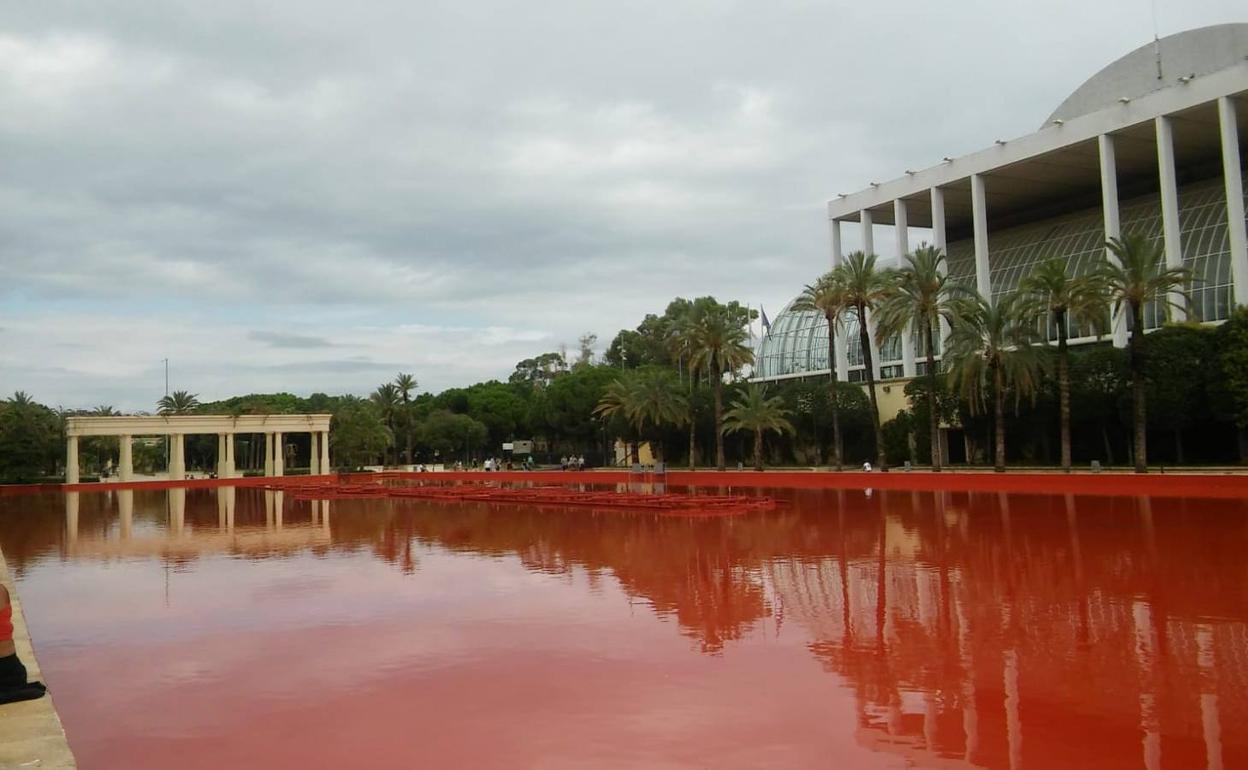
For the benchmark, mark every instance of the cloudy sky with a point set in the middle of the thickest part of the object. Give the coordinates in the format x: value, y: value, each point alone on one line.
x: 316, y: 195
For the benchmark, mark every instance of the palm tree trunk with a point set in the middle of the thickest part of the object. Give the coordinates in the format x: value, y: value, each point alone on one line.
x: 998, y: 398
x: 933, y: 418
x: 1137, y: 390
x: 837, y: 458
x: 409, y: 447
x: 693, y: 428
x: 719, y: 421
x: 758, y: 450
x: 1063, y: 388
x: 864, y: 337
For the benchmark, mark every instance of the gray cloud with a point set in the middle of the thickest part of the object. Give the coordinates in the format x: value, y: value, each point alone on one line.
x: 495, y: 179
x: 280, y: 340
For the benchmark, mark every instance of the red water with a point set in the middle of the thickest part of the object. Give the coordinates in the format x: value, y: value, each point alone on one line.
x: 233, y: 628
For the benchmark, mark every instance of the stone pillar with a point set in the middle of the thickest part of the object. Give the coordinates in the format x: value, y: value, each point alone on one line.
x: 230, y: 470
x: 71, y: 460
x: 177, y: 457
x: 979, y: 210
x: 125, y: 459
x: 940, y: 241
x: 868, y: 232
x: 221, y: 455
x: 313, y: 457
x: 1237, y: 234
x: 1170, y: 207
x: 1113, y: 229
x: 901, y: 224
x: 325, y: 466
x: 279, y: 456
x: 837, y: 256
x: 268, y: 454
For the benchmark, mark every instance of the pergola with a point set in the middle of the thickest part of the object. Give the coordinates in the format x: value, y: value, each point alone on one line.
x: 272, y: 426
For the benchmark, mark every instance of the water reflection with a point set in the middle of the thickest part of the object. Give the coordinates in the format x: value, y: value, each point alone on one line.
x: 984, y: 630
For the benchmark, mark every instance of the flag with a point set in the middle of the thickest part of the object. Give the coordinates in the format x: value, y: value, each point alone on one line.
x: 766, y: 323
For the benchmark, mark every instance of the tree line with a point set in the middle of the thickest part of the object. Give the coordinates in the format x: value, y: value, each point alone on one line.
x: 679, y: 382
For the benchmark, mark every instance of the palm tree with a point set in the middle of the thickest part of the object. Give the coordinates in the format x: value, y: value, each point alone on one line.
x: 648, y: 397
x: 865, y: 288
x: 405, y: 384
x: 992, y: 347
x: 1063, y: 299
x: 755, y: 412
x: 922, y: 296
x: 827, y: 296
x: 682, y: 340
x: 21, y: 398
x: 719, y: 347
x: 386, y: 397
x: 1139, y: 277
x: 177, y: 402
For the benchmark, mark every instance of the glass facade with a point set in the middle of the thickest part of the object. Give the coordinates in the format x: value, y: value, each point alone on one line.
x: 797, y: 342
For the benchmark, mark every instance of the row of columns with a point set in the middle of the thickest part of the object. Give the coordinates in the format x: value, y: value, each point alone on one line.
x: 274, y: 458
x: 1237, y: 233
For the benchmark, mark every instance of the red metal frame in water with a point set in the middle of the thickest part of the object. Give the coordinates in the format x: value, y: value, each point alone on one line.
x: 1192, y: 485
x: 668, y: 504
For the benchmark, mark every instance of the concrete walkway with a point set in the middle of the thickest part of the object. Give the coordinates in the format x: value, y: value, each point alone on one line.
x: 30, y: 732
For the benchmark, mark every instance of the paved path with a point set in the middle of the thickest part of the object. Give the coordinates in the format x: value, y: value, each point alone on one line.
x: 30, y: 732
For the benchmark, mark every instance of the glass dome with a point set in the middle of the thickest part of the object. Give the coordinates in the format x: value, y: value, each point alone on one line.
x: 797, y: 345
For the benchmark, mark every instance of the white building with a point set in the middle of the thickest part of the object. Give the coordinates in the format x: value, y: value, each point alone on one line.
x: 1152, y: 143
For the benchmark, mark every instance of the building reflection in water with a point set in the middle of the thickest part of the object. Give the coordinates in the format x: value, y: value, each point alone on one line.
x: 983, y: 630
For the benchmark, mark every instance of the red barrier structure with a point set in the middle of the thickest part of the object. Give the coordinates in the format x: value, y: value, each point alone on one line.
x: 1192, y: 485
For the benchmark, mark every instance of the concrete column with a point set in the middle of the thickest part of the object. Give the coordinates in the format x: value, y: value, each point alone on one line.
x: 268, y: 454
x: 940, y: 241
x: 842, y: 357
x: 71, y: 460
x: 1170, y: 207
x: 325, y: 467
x: 1236, y: 233
x: 1113, y: 228
x: 901, y: 225
x: 177, y: 456
x: 230, y: 470
x: 868, y: 235
x: 938, y: 219
x: 279, y: 459
x: 835, y: 226
x: 220, y: 455
x: 979, y: 210
x: 313, y: 457
x: 125, y: 459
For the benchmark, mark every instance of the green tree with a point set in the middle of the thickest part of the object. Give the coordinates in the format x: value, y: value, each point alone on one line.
x: 449, y: 434
x: 177, y: 402
x: 992, y: 347
x: 719, y: 348
x: 30, y: 439
x: 1140, y: 276
x: 405, y: 384
x: 755, y: 412
x: 1098, y: 385
x: 358, y: 433
x: 1177, y: 358
x: 1064, y: 299
x: 827, y: 296
x: 649, y: 399
x: 1230, y: 375
x: 386, y: 399
x: 540, y: 371
x: 865, y: 288
x: 921, y: 296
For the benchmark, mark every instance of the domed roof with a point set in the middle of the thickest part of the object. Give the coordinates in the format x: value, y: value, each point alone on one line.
x: 1194, y: 52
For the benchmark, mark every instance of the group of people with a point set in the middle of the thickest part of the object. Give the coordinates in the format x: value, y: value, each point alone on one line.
x: 572, y: 463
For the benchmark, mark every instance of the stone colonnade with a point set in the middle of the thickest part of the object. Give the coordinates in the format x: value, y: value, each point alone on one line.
x: 177, y: 427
